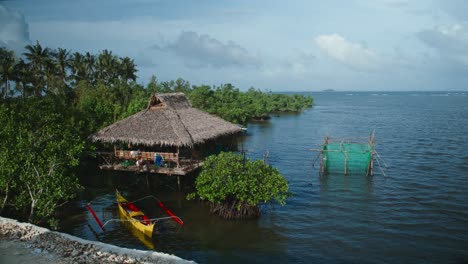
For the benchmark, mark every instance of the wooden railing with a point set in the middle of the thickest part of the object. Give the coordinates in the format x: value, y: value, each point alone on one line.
x: 149, y: 156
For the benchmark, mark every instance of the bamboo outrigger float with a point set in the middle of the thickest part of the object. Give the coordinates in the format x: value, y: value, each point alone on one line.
x: 347, y: 156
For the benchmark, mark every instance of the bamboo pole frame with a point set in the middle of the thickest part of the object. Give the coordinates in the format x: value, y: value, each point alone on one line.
x: 328, y: 140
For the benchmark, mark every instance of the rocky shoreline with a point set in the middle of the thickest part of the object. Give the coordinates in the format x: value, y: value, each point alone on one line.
x: 20, y: 242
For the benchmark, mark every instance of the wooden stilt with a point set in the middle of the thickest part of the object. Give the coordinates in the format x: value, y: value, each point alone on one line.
x: 346, y: 164
x: 178, y: 158
x: 322, y: 169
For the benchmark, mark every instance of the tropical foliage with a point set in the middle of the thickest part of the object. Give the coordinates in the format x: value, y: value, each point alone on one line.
x: 240, y: 107
x: 37, y: 175
x: 51, y: 100
x: 103, y: 87
x: 236, y: 187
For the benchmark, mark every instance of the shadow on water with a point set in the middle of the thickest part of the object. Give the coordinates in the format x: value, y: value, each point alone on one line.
x: 361, y: 185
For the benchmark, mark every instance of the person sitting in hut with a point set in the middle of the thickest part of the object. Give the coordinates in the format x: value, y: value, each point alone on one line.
x: 158, y: 160
x: 140, y: 162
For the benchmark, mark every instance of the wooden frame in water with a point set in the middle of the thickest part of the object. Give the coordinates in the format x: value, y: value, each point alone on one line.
x: 347, y: 155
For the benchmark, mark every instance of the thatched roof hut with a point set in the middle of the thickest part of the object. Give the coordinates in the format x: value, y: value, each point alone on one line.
x: 169, y: 120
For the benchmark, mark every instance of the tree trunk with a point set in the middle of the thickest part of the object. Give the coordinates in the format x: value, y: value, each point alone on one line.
x: 4, y: 199
x: 228, y: 210
x: 31, y: 212
x: 5, y: 88
x: 33, y: 204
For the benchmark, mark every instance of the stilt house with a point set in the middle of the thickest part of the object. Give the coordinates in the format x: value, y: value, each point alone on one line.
x: 167, y: 137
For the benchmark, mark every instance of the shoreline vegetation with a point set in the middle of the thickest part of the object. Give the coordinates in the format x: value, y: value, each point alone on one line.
x: 236, y: 187
x: 69, y: 96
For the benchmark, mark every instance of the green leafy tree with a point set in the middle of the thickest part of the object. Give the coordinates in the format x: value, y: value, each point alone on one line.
x: 152, y: 86
x: 127, y: 69
x: 182, y: 86
x: 138, y: 102
x: 235, y: 106
x: 38, y: 58
x: 97, y: 104
x: 7, y: 69
x: 236, y: 188
x: 107, y: 67
x: 10, y: 167
x: 80, y: 69
x: 23, y: 78
x: 38, y: 157
x: 61, y: 64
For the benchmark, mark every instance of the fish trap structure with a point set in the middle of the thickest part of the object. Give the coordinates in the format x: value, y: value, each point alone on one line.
x: 347, y: 156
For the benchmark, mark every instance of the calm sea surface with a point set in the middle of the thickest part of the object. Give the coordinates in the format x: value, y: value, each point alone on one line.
x: 416, y: 213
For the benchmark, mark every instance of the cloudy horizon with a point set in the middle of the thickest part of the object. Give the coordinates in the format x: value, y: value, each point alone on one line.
x: 359, y: 45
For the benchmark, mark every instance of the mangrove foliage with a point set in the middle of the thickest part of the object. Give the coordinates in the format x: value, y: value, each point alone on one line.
x: 40, y: 147
x: 236, y: 187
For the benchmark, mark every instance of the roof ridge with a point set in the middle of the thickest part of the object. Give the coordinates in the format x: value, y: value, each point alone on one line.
x: 185, y: 128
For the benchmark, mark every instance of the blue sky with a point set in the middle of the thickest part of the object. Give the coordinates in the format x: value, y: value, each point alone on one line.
x: 369, y: 45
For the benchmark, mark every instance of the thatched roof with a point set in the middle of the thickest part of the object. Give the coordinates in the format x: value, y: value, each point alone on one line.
x: 169, y: 120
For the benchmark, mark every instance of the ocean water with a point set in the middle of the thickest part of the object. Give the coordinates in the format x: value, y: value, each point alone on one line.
x: 414, y: 211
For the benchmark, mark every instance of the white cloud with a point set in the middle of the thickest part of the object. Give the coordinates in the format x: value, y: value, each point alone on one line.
x: 451, y: 42
x: 14, y: 33
x: 351, y: 54
x: 203, y: 50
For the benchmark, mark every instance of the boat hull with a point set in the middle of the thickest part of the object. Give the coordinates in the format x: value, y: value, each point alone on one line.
x: 134, y: 218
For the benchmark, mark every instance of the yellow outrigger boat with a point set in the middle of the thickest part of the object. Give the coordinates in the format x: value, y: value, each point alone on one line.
x: 138, y: 223
x: 128, y: 212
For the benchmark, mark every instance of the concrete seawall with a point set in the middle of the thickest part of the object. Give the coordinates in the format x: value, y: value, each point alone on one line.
x: 23, y: 242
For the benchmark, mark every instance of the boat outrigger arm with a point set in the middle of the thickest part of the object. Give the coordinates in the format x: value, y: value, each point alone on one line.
x: 171, y: 215
x: 135, y: 220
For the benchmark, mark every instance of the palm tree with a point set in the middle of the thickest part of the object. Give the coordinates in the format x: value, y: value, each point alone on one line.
x: 38, y: 58
x: 78, y: 67
x: 90, y: 65
x: 127, y: 69
x: 106, y: 66
x: 62, y: 63
x: 7, y: 67
x: 23, y: 78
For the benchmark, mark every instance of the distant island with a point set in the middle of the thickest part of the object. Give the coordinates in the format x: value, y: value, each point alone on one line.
x: 328, y: 90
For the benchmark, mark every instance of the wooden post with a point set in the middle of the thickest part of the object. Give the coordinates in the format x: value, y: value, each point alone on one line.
x: 178, y: 158
x: 322, y: 169
x: 322, y: 164
x: 372, y: 142
x: 346, y: 164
